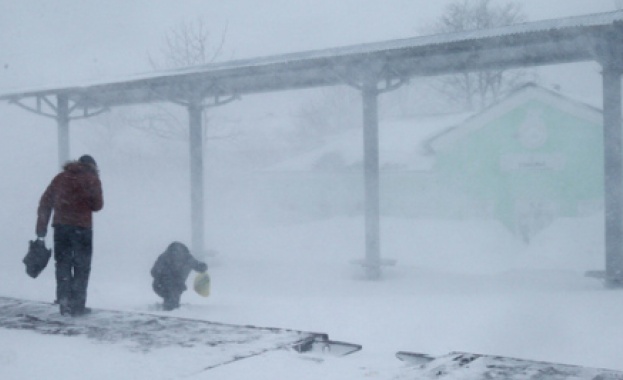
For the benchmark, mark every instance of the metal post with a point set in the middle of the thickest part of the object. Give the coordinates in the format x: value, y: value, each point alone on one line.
x: 196, y: 177
x: 613, y: 176
x: 371, y: 178
x: 62, y: 120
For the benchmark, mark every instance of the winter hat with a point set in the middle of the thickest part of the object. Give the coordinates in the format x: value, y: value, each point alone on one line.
x: 86, y: 159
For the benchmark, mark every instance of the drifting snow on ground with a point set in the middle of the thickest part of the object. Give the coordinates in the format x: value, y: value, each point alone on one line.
x: 457, y: 286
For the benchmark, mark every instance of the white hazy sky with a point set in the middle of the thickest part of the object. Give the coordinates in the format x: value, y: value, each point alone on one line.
x: 46, y: 42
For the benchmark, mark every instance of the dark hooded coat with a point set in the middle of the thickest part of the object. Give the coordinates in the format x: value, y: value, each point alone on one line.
x: 172, y: 268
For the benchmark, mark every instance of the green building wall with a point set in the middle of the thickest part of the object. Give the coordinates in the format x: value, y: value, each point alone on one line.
x: 561, y: 171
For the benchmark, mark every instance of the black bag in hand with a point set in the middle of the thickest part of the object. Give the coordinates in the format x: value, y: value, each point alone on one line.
x: 37, y: 257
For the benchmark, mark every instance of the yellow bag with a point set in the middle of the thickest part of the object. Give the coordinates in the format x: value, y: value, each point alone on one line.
x: 202, y: 284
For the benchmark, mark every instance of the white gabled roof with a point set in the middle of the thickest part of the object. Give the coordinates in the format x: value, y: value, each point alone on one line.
x: 407, y: 144
x: 446, y: 139
x: 399, y: 146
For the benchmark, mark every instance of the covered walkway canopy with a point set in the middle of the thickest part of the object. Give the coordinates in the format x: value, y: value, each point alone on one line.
x: 372, y: 69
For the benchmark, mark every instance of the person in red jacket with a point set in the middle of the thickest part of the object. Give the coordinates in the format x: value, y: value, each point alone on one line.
x: 73, y: 196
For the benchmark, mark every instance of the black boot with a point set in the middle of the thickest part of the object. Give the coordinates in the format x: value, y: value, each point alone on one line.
x: 80, y: 311
x: 65, y: 307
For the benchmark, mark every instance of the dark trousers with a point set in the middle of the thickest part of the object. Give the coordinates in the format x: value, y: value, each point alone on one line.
x: 73, y: 249
x: 171, y: 295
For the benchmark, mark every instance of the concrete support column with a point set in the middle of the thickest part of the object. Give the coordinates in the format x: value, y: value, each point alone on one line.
x: 613, y: 176
x: 196, y: 178
x: 62, y: 120
x: 371, y: 178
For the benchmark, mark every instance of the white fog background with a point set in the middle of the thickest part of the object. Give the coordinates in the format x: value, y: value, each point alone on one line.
x: 457, y: 286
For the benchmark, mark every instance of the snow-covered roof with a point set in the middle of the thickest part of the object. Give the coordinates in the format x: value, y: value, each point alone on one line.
x: 445, y: 139
x: 399, y: 147
x: 410, y: 144
x: 528, y: 44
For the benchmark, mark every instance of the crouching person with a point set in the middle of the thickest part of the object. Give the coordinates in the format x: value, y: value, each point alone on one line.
x: 170, y: 272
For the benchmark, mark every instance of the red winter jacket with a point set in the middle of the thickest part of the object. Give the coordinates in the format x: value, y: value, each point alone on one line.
x: 74, y: 194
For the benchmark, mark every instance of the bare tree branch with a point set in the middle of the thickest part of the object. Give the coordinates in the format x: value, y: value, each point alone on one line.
x: 483, y: 87
x: 187, y: 44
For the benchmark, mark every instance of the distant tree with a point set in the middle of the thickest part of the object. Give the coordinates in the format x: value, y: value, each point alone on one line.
x: 185, y: 45
x: 189, y: 44
x: 479, y: 89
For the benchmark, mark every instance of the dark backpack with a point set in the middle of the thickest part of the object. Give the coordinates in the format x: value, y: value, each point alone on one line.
x: 37, y: 257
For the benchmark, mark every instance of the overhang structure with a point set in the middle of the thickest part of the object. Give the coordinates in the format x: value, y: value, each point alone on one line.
x: 372, y: 68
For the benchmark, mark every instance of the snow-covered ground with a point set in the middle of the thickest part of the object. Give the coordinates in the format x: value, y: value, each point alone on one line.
x: 462, y: 286
x: 457, y: 286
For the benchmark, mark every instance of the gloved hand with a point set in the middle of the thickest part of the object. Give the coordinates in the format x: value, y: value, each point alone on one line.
x: 202, y: 267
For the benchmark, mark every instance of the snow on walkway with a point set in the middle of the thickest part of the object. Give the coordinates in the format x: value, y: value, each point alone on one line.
x: 215, y: 343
